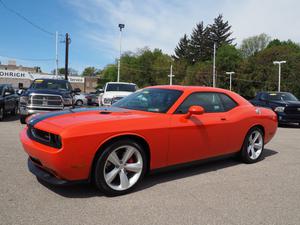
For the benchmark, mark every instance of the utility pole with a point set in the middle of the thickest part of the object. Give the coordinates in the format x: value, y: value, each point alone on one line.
x: 56, y: 53
x: 230, y: 75
x: 171, y: 75
x: 67, y: 56
x: 121, y: 26
x: 279, y: 72
x: 214, y: 66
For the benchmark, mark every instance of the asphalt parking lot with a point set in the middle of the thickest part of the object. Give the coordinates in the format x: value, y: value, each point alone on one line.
x: 221, y: 192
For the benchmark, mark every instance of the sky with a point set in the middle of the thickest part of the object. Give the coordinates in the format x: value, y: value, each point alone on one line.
x: 94, y: 32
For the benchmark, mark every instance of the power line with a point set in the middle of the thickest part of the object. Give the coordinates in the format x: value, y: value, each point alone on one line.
x: 26, y: 59
x: 26, y: 19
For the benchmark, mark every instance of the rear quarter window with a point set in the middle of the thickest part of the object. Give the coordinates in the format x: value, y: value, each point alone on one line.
x: 228, y: 102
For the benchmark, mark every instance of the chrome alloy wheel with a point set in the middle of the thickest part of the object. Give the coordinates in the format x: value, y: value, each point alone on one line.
x: 255, y: 145
x: 123, y: 167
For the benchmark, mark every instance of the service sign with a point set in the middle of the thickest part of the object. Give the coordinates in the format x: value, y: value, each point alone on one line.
x: 32, y: 76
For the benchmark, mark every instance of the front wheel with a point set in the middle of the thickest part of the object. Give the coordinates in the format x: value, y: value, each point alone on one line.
x: 253, y: 146
x: 1, y: 113
x: 79, y: 103
x: 22, y: 119
x: 120, y: 167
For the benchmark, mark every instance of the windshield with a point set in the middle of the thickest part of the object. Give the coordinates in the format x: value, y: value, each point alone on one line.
x: 51, y: 84
x: 150, y: 100
x: 282, y: 97
x: 121, y: 87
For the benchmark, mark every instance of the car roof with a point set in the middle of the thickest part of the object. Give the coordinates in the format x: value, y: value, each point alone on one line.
x: 189, y: 88
x: 48, y: 79
x: 120, y: 83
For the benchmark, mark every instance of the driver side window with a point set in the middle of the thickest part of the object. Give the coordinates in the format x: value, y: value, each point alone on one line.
x: 210, y: 101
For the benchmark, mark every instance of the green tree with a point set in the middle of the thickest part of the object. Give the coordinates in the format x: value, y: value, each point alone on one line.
x: 220, y: 31
x: 89, y: 71
x: 182, y: 50
x: 254, y: 44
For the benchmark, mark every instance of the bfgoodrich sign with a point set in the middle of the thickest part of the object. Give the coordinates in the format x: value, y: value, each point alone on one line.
x: 33, y: 76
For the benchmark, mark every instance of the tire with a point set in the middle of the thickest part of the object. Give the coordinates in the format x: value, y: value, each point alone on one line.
x: 252, y: 150
x: 22, y: 119
x: 1, y: 113
x: 79, y: 103
x: 120, y: 167
x: 15, y: 111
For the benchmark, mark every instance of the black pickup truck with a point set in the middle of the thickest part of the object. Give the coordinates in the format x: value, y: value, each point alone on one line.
x: 285, y: 104
x: 9, y: 100
x: 46, y: 95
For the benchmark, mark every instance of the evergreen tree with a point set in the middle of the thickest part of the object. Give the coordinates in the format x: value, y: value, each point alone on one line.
x: 220, y: 32
x: 182, y: 50
x: 199, y: 41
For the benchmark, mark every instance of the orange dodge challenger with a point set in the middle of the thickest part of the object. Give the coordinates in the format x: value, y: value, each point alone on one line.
x: 155, y: 127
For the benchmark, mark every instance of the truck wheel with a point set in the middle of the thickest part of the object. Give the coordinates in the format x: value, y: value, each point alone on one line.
x: 23, y: 119
x: 1, y: 114
x: 15, y: 111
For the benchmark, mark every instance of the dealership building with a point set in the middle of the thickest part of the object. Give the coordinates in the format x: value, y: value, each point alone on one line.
x: 21, y: 77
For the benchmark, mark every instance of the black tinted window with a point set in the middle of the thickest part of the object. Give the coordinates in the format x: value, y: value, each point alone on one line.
x: 121, y: 87
x: 228, y: 103
x: 211, y: 102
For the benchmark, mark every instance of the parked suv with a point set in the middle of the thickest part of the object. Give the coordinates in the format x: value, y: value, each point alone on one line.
x: 285, y: 104
x: 46, y: 95
x: 114, y: 91
x: 9, y: 100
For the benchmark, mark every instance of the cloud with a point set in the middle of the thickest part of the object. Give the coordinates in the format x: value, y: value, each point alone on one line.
x: 161, y: 23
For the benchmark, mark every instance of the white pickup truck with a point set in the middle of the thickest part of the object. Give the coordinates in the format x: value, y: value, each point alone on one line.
x: 114, y: 91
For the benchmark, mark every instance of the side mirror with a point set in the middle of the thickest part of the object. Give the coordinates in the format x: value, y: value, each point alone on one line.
x: 194, y: 110
x: 20, y: 91
x: 76, y: 90
x: 100, y: 91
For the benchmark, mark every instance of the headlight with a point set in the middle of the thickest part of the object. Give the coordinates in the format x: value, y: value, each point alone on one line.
x: 107, y: 100
x: 68, y: 101
x: 24, y: 99
x: 279, y: 109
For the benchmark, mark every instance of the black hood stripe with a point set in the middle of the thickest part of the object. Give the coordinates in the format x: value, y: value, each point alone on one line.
x: 36, y: 119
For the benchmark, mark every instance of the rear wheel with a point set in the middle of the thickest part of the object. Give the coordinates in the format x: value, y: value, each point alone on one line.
x: 253, y: 146
x: 120, y: 167
x: 1, y: 113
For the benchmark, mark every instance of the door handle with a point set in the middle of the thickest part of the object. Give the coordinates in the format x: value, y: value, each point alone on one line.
x: 223, y: 118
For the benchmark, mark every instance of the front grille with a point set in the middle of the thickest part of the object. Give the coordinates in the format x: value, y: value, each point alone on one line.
x: 44, y: 137
x: 292, y: 110
x: 46, y: 101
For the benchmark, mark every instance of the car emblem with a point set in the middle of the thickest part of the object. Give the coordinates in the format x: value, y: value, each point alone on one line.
x: 45, y: 102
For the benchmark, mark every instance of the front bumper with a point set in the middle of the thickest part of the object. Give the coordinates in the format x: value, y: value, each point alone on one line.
x: 288, y: 118
x: 26, y: 111
x: 45, y: 175
x: 59, y: 164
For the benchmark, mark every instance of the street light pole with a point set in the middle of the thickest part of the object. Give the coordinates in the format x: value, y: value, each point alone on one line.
x: 214, y: 66
x: 56, y: 53
x: 121, y: 26
x: 171, y: 75
x: 230, y: 78
x: 279, y: 72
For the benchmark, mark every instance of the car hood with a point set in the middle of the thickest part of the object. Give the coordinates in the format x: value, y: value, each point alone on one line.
x: 100, y: 118
x: 113, y: 94
x: 287, y: 103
